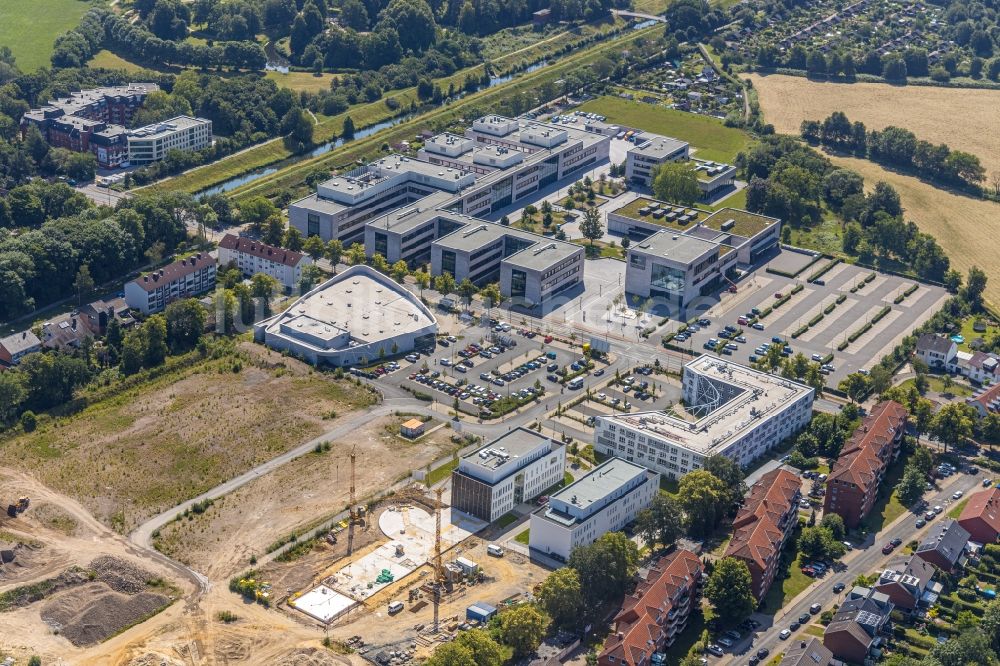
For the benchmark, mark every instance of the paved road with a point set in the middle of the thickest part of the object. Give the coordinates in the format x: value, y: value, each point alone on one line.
x: 865, y: 559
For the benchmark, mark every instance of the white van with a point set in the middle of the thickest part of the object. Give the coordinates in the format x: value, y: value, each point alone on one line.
x: 575, y: 384
x: 494, y: 550
x: 395, y: 607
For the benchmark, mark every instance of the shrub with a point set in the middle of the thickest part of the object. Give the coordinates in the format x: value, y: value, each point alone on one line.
x: 29, y: 421
x: 797, y: 288
x: 815, y: 320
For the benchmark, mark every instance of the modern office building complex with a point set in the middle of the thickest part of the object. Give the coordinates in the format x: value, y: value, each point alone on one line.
x: 852, y: 487
x: 605, y: 500
x: 683, y: 253
x: 252, y: 257
x: 353, y: 318
x: 512, y: 469
x: 188, y: 277
x: 426, y: 208
x: 650, y: 152
x: 736, y: 411
x: 91, y: 120
x: 153, y: 142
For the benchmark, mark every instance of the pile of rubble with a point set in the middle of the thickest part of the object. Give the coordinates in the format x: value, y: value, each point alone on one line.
x: 120, y: 575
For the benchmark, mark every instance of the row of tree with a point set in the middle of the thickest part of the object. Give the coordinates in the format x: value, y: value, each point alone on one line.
x: 896, y: 146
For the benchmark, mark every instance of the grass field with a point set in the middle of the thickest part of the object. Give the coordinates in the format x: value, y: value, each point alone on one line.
x: 109, y: 60
x: 302, y: 81
x: 936, y: 385
x: 959, y: 223
x: 30, y: 27
x: 927, y: 111
x: 138, y: 452
x: 887, y: 507
x: 713, y: 140
x: 789, y: 580
x: 956, y: 511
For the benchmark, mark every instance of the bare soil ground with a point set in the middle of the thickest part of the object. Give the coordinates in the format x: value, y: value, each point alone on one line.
x: 963, y: 118
x: 963, y: 226
x: 220, y: 541
x: 134, y: 455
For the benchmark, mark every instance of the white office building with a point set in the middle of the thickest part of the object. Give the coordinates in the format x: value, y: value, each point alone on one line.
x: 252, y: 257
x: 732, y: 410
x: 515, y: 468
x: 153, y: 142
x: 650, y: 151
x: 605, y: 500
x: 354, y: 318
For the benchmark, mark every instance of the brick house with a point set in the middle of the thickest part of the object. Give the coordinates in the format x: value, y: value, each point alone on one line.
x: 904, y: 581
x: 859, y: 627
x: 944, y: 545
x: 658, y: 610
x: 852, y: 486
x: 763, y: 524
x: 981, y: 516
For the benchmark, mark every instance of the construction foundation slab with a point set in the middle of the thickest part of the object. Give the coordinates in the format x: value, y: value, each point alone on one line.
x: 323, y: 603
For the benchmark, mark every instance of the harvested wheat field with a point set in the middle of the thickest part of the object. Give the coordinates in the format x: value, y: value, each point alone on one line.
x: 966, y: 228
x: 137, y: 453
x: 966, y: 119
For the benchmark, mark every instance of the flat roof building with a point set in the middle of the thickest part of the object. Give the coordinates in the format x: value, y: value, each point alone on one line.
x: 514, y: 468
x: 153, y: 142
x: 353, y: 318
x: 650, y: 151
x: 605, y: 500
x: 733, y: 410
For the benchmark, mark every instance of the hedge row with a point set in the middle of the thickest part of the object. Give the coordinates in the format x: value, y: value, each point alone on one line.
x: 841, y: 298
x: 797, y: 288
x: 775, y: 271
x: 817, y: 319
x: 902, y: 297
x: 881, y: 313
x: 799, y: 331
x: 823, y: 271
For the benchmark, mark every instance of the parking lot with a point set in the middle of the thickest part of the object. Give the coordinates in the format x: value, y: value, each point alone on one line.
x: 840, y: 319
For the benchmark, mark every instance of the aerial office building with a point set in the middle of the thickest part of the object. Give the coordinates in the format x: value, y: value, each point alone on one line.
x: 734, y: 411
x: 153, y: 142
x: 512, y: 469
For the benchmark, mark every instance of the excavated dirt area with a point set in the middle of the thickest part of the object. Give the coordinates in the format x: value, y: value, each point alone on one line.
x: 90, y: 613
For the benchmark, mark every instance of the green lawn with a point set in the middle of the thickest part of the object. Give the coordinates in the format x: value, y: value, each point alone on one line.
x: 789, y: 580
x: 30, y: 27
x: 506, y: 520
x: 302, y: 81
x: 887, y: 506
x: 737, y: 200
x: 687, y: 638
x: 441, y: 472
x: 523, y: 537
x: 713, y: 140
x: 969, y: 334
x: 936, y: 384
x: 956, y: 511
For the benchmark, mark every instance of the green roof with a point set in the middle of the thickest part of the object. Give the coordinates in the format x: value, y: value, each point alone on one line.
x: 631, y: 210
x: 746, y: 224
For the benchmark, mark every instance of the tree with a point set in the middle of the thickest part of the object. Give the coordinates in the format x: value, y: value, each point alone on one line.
x: 835, y: 524
x: 953, y: 424
x: 185, y: 324
x: 297, y: 125
x: 413, y: 20
x: 591, y: 226
x: 894, y: 68
x: 452, y: 654
x: 13, y: 392
x: 818, y: 542
x: 132, y: 353
x: 399, y: 271
x: 491, y: 295
x: 334, y: 250
x: 522, y: 628
x: 606, y: 568
x: 668, y: 518
x: 444, y: 284
x: 969, y: 647
x: 730, y: 591
x: 256, y: 211
x: 485, y: 650
x: 731, y: 475
x: 293, y: 239
x: 703, y: 498
x: 879, y: 379
x: 855, y: 385
x: 911, y: 487
x: 561, y: 596
x: 348, y: 131
x: 84, y: 284
x: 467, y: 290
x: 423, y: 279
x: 274, y: 230
x: 975, y: 285
x: 154, y: 332
x: 989, y: 624
x: 314, y: 247
x: 676, y: 182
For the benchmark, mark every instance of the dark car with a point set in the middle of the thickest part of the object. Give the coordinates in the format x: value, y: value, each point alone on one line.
x: 804, y: 618
x: 839, y: 587
x: 794, y: 626
x: 896, y: 541
x: 763, y: 652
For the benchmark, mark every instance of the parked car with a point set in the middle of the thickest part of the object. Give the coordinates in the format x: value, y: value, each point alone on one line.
x: 815, y: 608
x: 838, y: 588
x: 715, y: 649
x: 785, y: 633
x: 888, y: 548
x: 763, y: 652
x: 757, y: 326
x: 920, y: 523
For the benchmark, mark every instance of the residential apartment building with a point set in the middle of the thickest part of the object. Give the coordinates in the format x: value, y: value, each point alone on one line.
x: 252, y: 257
x: 852, y: 486
x: 656, y: 612
x: 517, y: 467
x: 16, y: 346
x: 605, y: 500
x: 907, y: 582
x: 944, y: 545
x: 740, y: 413
x: 860, y: 627
x: 937, y: 351
x: 981, y: 516
x: 188, y: 277
x: 91, y: 121
x: 764, y: 522
x: 153, y: 142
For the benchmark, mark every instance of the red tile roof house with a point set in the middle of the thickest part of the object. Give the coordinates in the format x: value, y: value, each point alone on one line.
x: 981, y: 516
x: 904, y: 581
x: 852, y: 486
x: 252, y: 256
x: 986, y: 400
x: 763, y: 524
x: 653, y: 615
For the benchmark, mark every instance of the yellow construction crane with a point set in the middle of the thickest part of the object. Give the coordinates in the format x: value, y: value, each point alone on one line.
x: 352, y: 509
x: 438, y: 569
